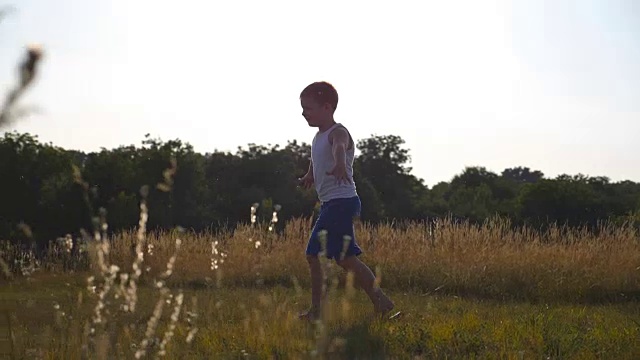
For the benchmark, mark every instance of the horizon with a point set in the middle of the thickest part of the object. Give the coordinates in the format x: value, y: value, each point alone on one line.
x: 545, y: 85
x: 245, y: 146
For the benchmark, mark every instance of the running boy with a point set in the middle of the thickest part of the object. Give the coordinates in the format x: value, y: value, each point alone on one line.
x: 331, y: 170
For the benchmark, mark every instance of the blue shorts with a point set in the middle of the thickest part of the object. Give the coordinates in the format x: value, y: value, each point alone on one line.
x: 336, y: 217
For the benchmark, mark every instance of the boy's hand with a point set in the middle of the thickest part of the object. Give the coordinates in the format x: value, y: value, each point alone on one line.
x: 340, y: 173
x: 306, y: 181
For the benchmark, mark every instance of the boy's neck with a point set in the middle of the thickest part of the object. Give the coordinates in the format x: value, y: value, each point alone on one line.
x: 326, y: 126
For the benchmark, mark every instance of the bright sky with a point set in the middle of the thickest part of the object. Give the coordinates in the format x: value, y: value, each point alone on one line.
x: 553, y: 85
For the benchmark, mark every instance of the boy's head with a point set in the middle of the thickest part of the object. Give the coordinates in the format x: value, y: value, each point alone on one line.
x: 319, y: 101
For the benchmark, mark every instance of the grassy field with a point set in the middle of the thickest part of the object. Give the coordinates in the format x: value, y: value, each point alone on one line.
x: 465, y: 292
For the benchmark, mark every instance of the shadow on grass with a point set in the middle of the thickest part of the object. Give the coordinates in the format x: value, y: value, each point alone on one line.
x: 356, y: 341
x: 523, y: 293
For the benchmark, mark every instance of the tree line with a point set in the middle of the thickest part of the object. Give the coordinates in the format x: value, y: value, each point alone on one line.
x: 56, y: 191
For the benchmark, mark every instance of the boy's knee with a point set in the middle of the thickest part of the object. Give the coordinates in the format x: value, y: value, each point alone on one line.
x: 346, y: 262
x: 312, y: 259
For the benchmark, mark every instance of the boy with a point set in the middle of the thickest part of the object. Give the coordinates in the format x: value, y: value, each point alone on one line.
x: 331, y: 170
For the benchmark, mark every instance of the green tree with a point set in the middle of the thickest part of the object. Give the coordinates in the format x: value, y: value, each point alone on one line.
x: 566, y: 200
x: 382, y: 168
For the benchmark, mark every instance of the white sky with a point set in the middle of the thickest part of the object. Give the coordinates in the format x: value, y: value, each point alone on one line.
x: 553, y: 85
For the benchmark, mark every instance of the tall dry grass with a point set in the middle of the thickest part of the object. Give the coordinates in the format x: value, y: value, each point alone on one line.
x: 488, y: 260
x: 28, y: 70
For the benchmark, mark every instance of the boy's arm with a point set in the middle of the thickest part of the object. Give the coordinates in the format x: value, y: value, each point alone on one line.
x: 339, y: 139
x: 310, y: 171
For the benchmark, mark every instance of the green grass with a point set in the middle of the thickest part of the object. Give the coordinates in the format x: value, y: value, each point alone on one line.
x: 261, y: 322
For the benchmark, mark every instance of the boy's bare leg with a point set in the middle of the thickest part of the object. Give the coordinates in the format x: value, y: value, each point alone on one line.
x: 366, y: 280
x: 315, y: 270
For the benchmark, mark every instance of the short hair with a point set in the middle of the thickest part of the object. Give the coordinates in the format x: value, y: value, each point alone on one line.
x: 322, y: 92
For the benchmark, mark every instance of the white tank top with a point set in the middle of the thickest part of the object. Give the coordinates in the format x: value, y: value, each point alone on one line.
x: 322, y: 159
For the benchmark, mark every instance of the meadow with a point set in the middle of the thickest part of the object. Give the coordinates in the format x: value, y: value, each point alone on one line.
x: 465, y: 291
x: 489, y: 291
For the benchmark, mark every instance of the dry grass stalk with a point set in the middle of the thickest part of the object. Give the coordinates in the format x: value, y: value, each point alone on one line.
x: 28, y: 70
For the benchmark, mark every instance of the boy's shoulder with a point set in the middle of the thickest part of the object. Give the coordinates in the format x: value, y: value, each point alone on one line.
x: 339, y: 130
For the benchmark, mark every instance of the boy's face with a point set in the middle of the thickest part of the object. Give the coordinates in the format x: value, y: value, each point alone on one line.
x: 315, y: 113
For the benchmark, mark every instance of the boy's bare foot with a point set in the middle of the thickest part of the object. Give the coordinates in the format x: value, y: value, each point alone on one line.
x: 310, y: 315
x: 387, y: 313
x: 383, y: 304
